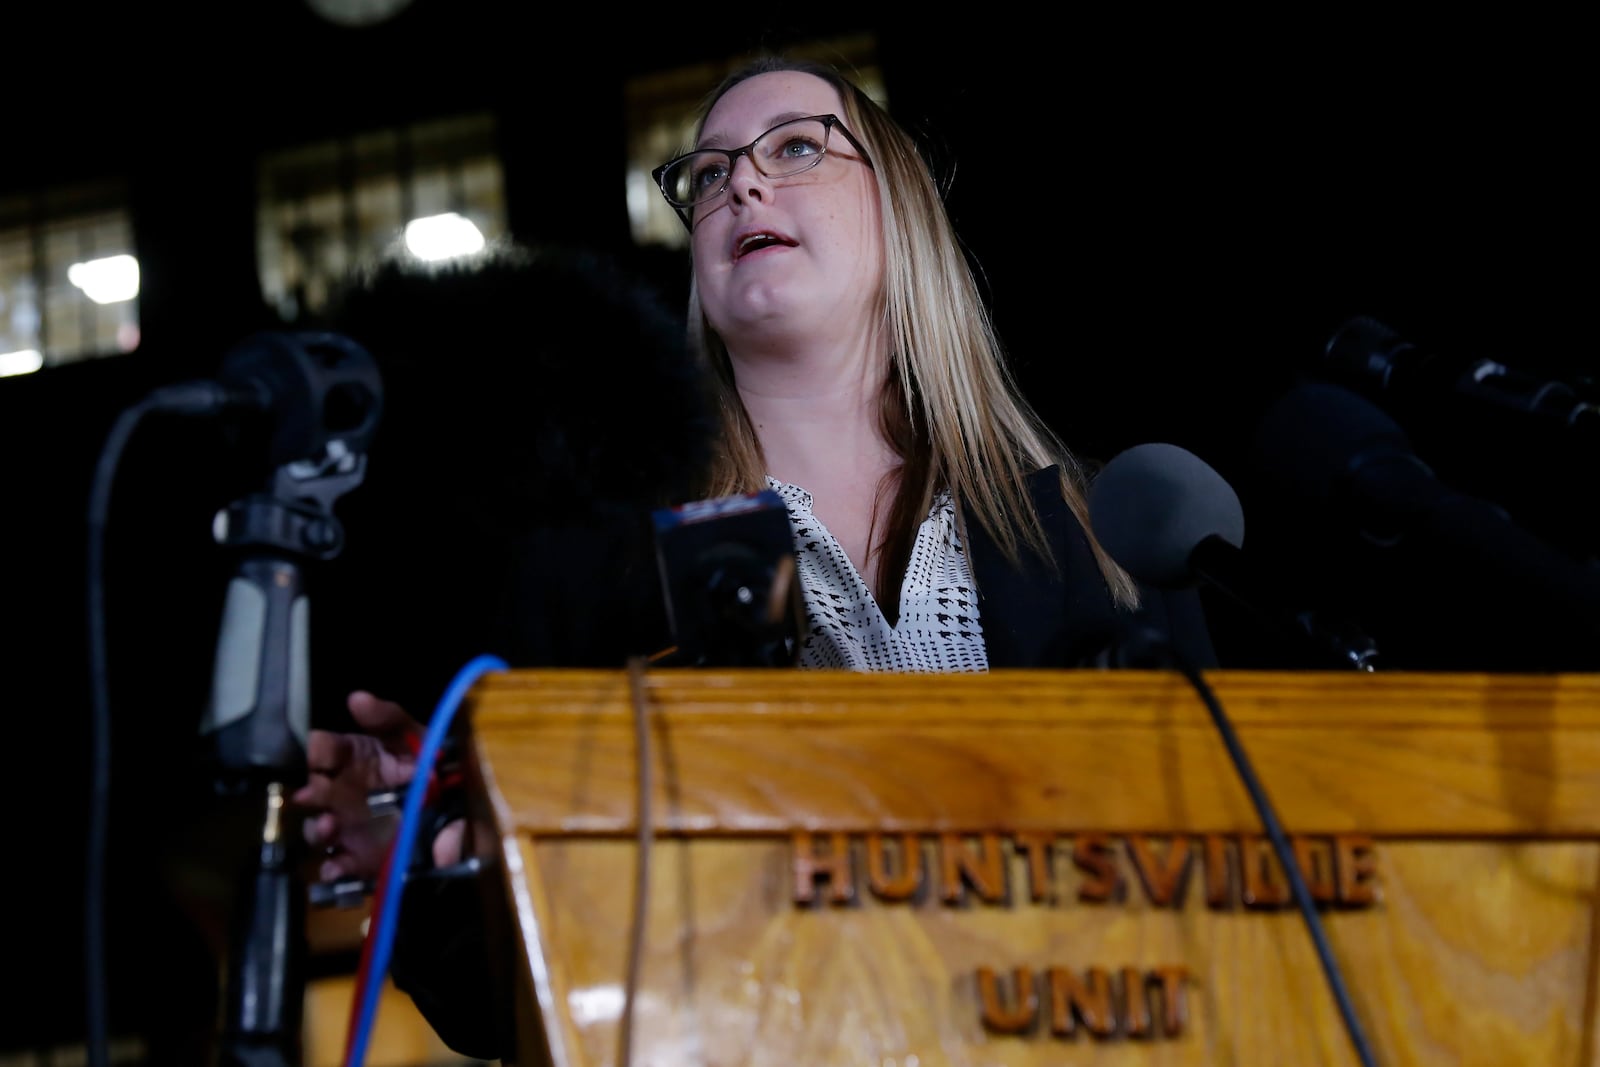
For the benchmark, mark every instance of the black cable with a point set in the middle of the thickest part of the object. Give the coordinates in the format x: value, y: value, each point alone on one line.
x: 97, y: 1035
x: 190, y: 398
x: 1280, y: 843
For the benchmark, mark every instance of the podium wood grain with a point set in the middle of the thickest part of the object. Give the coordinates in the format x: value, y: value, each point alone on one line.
x: 1481, y: 796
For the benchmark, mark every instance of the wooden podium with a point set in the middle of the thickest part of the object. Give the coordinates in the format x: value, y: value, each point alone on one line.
x: 1044, y: 867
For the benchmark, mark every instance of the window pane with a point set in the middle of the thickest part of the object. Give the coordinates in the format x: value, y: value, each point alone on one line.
x: 68, y: 276
x: 327, y: 209
x: 19, y: 297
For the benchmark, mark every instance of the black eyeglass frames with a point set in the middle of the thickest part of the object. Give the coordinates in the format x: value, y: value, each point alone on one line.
x: 787, y: 149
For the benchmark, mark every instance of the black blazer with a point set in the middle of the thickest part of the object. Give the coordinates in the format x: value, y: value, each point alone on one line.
x: 1036, y: 615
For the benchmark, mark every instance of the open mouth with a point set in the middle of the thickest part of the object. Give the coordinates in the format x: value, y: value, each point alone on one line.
x: 755, y: 242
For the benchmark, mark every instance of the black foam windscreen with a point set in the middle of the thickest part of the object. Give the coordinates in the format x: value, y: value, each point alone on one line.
x: 1317, y: 437
x: 1154, y: 503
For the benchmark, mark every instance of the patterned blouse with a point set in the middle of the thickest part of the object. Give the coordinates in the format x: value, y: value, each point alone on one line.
x: 937, y: 628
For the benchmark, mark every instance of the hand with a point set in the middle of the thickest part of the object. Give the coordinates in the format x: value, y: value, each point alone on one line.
x: 344, y: 769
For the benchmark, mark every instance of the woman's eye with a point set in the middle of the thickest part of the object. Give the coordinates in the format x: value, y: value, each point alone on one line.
x: 798, y: 147
x: 708, y: 176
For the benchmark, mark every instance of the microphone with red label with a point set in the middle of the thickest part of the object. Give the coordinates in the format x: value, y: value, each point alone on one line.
x: 728, y: 575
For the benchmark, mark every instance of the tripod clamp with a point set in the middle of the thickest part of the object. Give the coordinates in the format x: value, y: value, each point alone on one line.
x: 296, y: 517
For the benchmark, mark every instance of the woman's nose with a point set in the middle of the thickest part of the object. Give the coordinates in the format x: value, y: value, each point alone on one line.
x: 745, y: 181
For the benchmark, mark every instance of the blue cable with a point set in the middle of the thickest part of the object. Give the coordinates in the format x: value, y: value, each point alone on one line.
x: 405, y: 841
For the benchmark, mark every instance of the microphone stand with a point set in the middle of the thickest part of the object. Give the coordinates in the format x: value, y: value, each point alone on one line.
x: 322, y: 395
x: 1326, y: 644
x: 257, y: 723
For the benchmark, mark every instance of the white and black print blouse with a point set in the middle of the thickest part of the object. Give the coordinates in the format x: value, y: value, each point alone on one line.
x: 937, y: 628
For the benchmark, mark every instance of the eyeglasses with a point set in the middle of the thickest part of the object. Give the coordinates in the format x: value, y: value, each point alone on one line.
x: 787, y: 149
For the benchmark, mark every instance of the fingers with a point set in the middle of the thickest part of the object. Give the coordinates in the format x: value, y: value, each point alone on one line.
x: 322, y: 835
x: 316, y: 793
x: 448, y: 843
x: 378, y: 716
x: 322, y: 831
x: 343, y: 768
x: 338, y: 867
x: 347, y: 852
x: 327, y: 752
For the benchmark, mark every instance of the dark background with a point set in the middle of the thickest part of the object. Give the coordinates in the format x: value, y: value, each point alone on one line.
x: 1170, y: 218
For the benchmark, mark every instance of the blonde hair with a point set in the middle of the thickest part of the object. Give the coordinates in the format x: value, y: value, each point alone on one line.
x: 950, y: 408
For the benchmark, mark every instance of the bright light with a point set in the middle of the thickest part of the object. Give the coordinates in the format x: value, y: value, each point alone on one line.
x: 25, y: 362
x: 107, y: 281
x: 595, y: 1004
x: 443, y: 237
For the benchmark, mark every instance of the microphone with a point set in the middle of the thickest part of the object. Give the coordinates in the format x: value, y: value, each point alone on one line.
x: 728, y: 574
x: 321, y: 398
x: 1331, y: 450
x: 315, y: 387
x: 320, y: 390
x: 1373, y: 358
x: 1172, y: 521
x: 318, y: 398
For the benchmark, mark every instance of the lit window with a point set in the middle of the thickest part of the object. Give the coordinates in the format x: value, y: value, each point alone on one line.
x: 435, y: 190
x: 69, y: 279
